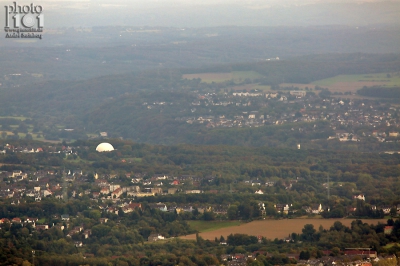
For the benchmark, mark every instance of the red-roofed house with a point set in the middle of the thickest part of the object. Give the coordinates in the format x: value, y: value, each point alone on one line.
x: 42, y: 227
x: 4, y: 220
x: 105, y: 190
x: 131, y: 207
x: 388, y: 230
x: 117, y: 193
x: 16, y: 220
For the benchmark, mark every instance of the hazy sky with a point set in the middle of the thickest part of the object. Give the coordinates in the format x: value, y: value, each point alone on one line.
x: 208, y: 13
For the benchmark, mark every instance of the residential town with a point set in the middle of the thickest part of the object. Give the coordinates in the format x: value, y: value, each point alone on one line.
x: 349, y: 120
x: 110, y: 195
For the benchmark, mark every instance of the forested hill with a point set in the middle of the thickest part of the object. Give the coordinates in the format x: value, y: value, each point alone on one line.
x: 64, y: 98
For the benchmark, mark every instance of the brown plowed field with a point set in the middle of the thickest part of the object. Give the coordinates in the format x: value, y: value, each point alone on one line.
x: 272, y: 229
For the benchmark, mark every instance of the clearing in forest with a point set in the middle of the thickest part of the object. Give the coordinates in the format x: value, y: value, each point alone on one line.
x: 272, y: 229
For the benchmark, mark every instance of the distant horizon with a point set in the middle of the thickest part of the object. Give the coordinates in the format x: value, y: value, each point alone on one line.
x: 183, y: 13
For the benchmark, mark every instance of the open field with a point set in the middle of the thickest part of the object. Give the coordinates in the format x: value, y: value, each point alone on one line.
x: 7, y: 132
x: 22, y: 118
x: 272, y: 229
x: 298, y: 85
x: 351, y: 83
x: 351, y: 86
x: 391, y: 81
x: 202, y: 226
x: 341, y: 83
x: 344, y: 83
x: 242, y: 75
x: 236, y: 76
x: 34, y: 136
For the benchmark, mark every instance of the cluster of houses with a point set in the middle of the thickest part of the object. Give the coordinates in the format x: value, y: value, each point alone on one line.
x: 287, y: 184
x: 347, y: 257
x: 128, y: 206
x: 39, y: 184
x: 17, y: 220
x: 75, y: 232
x: 382, y: 120
x: 64, y: 224
x: 34, y: 222
x: 37, y: 149
x: 50, y: 183
x: 23, y: 149
x: 141, y: 187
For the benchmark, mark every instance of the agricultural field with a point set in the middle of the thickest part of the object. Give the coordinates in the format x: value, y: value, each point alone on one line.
x: 242, y: 75
x: 272, y: 229
x: 236, y: 76
x: 338, y: 84
x: 23, y: 135
x: 202, y: 226
x: 22, y: 118
x: 352, y: 83
x: 7, y: 132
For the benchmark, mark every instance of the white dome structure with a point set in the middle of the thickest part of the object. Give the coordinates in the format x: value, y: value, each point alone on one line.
x: 102, y: 147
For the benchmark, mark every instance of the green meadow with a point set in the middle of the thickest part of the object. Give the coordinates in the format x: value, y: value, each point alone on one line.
x: 392, y: 80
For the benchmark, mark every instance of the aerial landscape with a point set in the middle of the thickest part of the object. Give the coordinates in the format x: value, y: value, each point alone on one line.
x: 171, y: 132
